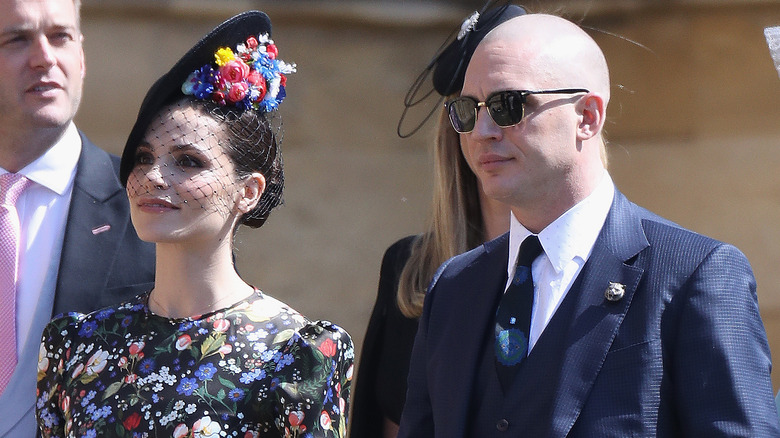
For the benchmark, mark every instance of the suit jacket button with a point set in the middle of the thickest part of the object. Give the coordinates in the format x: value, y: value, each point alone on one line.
x: 502, y: 425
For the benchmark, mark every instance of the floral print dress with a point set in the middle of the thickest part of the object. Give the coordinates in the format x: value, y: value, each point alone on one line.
x: 256, y: 369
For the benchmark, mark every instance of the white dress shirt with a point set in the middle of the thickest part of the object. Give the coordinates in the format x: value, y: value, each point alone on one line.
x: 43, y: 212
x: 567, y: 243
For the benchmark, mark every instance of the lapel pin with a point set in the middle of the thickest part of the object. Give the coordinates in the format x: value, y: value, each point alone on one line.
x: 615, y: 291
x: 101, y: 229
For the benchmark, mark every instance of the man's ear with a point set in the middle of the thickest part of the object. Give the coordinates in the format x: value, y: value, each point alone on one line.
x: 254, y: 186
x: 593, y: 114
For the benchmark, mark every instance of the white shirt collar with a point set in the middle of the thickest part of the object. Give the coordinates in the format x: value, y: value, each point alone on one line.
x: 56, y: 168
x: 573, y: 234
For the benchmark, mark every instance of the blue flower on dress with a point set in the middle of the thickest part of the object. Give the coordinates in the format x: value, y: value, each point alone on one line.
x: 146, y: 366
x: 285, y: 360
x: 206, y: 371
x: 251, y: 376
x: 274, y: 383
x: 88, y: 398
x: 104, y: 314
x: 88, y: 329
x: 235, y: 394
x: 126, y: 321
x: 187, y: 386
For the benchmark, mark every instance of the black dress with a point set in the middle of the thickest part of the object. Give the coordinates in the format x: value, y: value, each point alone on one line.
x: 380, y: 386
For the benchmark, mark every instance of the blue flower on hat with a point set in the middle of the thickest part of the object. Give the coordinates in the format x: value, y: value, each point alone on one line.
x: 251, y: 77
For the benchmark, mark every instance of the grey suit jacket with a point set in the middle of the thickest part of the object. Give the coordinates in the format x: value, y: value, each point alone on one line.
x: 97, y: 268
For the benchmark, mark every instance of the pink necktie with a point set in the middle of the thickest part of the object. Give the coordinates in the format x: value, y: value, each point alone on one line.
x: 11, y: 186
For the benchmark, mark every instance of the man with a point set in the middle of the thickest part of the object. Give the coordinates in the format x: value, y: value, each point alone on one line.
x: 637, y: 328
x: 79, y: 251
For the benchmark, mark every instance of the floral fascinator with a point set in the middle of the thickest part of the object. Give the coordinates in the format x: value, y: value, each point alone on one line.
x: 448, y: 65
x: 236, y: 73
x: 235, y: 65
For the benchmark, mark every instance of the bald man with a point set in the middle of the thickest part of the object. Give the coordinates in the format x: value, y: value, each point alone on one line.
x: 624, y: 324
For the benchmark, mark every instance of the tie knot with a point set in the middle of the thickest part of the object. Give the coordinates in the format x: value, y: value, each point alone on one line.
x: 529, y: 251
x: 11, y: 186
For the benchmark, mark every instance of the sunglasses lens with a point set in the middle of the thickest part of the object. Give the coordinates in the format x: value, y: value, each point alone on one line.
x: 506, y: 108
x: 462, y: 112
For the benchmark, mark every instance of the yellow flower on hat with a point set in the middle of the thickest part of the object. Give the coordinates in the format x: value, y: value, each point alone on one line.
x: 223, y: 56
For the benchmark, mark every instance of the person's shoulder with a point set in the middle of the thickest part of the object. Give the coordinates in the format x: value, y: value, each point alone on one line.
x: 658, y: 227
x: 401, y: 248
x: 488, y: 249
x: 325, y: 332
x: 314, y: 332
x: 77, y: 318
x: 92, y: 154
x: 672, y: 240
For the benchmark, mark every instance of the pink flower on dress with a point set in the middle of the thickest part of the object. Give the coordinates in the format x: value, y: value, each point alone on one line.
x: 183, y: 342
x: 295, y: 418
x: 181, y: 431
x: 221, y: 325
x: 136, y: 348
x: 325, y: 420
x: 328, y: 348
x: 225, y: 349
x: 77, y: 372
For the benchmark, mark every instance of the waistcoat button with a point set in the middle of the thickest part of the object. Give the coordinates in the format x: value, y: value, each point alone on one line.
x: 502, y: 425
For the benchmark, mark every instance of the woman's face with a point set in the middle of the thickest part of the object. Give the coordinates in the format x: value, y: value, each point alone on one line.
x: 183, y: 186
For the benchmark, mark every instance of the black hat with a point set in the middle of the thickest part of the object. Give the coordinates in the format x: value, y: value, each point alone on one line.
x: 450, y: 69
x: 167, y: 89
x: 450, y: 62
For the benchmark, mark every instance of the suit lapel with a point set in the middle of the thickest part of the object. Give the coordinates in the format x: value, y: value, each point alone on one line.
x: 83, y: 274
x: 559, y: 380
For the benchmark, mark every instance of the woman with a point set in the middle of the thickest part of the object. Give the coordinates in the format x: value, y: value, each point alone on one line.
x: 203, y: 353
x: 462, y: 218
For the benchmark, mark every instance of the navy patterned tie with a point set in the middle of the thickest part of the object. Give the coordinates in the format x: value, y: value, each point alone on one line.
x: 513, y: 317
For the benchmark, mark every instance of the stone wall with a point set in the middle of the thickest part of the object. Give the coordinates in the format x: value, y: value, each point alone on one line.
x: 695, y: 126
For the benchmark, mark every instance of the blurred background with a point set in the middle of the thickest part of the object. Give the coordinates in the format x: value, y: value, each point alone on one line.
x: 694, y: 125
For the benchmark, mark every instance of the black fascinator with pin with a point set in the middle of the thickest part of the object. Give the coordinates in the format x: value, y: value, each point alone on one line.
x: 447, y: 68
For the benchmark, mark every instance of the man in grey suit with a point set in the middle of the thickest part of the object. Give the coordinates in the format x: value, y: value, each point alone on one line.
x: 78, y: 250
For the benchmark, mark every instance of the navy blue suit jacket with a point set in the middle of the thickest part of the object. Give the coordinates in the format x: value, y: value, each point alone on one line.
x: 683, y: 353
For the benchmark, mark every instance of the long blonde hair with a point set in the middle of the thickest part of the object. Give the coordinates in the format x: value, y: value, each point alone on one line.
x: 455, y: 225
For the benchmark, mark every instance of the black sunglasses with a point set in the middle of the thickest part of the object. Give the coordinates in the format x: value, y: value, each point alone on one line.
x: 504, y: 107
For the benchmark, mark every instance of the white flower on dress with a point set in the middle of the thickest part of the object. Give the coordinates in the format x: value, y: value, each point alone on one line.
x: 205, y: 428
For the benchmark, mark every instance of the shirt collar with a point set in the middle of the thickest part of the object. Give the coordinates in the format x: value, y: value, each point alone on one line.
x: 56, y: 168
x: 573, y: 234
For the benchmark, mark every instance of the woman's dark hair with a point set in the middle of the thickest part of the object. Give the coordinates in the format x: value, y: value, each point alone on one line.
x: 253, y: 146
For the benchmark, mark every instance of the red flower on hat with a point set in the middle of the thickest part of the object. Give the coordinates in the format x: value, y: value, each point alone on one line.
x: 237, y: 92
x: 272, y: 51
x: 258, y: 81
x: 234, y: 71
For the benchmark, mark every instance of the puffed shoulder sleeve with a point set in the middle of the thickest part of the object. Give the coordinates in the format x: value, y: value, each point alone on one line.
x: 52, y: 402
x: 315, y: 402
